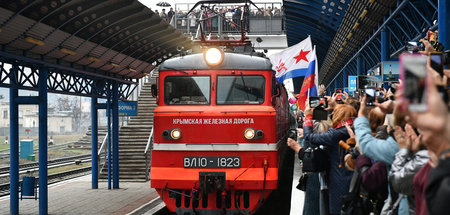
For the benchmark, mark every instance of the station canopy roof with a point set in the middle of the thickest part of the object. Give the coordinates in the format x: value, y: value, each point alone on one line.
x: 119, y: 38
x: 333, y: 24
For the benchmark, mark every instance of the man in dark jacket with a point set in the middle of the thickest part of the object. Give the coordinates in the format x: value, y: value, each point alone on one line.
x: 170, y: 14
x: 438, y: 188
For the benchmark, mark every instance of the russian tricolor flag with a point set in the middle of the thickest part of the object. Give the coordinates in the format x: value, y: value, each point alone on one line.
x: 296, y: 61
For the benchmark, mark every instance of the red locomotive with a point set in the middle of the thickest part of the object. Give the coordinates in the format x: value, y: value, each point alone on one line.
x: 220, y: 135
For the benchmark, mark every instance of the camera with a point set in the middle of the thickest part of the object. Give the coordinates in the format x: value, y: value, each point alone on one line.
x: 292, y: 133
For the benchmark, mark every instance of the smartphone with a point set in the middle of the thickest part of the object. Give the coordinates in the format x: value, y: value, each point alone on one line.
x: 414, y: 47
x: 318, y: 102
x: 436, y: 62
x: 413, y: 72
x: 338, y: 95
x: 362, y: 81
x: 320, y: 114
x: 370, y: 96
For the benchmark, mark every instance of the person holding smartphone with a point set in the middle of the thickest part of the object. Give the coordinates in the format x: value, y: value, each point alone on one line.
x: 377, y: 149
x: 434, y: 126
x: 339, y: 178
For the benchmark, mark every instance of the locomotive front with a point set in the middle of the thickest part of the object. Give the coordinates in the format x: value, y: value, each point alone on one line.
x: 218, y: 133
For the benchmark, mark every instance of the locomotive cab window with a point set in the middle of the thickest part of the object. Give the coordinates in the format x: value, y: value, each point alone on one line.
x: 242, y: 89
x: 186, y: 90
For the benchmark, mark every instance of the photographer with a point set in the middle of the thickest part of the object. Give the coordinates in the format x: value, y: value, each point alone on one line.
x: 309, y: 182
x: 339, y: 178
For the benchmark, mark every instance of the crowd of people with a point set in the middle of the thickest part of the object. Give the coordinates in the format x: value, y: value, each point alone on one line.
x: 381, y: 159
x: 230, y: 16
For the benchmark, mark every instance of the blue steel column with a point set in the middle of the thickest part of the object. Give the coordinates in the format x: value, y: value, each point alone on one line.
x: 359, y: 65
x: 108, y: 114
x: 385, y: 46
x: 94, y: 135
x: 444, y: 23
x: 115, y: 131
x: 43, y: 186
x: 14, y: 145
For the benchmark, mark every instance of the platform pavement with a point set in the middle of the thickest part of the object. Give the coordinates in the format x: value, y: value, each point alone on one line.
x: 298, y: 196
x: 76, y: 197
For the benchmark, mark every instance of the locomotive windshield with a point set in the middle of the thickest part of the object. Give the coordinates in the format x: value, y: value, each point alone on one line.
x: 183, y: 90
x: 243, y: 89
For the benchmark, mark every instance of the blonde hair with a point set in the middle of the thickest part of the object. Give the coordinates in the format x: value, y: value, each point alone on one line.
x: 324, y: 125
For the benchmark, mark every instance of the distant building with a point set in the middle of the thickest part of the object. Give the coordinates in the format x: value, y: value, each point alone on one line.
x: 58, y: 123
x: 24, y: 110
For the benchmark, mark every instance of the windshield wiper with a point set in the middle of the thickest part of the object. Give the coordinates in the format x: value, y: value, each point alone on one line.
x: 245, y: 87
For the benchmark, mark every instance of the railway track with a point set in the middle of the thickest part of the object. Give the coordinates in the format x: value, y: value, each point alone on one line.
x: 29, y: 166
x: 53, y: 178
x: 5, y: 153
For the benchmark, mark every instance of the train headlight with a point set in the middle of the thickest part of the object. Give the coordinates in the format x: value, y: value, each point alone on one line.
x: 213, y: 56
x: 249, y: 133
x: 175, y: 134
x: 172, y: 134
x: 253, y: 134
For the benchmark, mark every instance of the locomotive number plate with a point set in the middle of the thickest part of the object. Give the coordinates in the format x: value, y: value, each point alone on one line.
x: 211, y: 162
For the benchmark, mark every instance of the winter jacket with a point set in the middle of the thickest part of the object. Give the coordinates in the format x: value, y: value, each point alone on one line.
x: 374, y: 179
x: 405, y: 166
x: 377, y: 149
x: 437, y: 192
x: 339, y: 178
x: 420, y: 183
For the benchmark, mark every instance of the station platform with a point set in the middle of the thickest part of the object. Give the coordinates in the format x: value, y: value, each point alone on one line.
x: 75, y: 196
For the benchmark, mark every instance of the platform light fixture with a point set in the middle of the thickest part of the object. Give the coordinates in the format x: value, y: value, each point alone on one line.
x: 34, y: 41
x: 115, y: 65
x: 345, y: 43
x: 132, y: 70
x: 371, y: 1
x: 94, y: 59
x: 349, y: 35
x: 364, y: 13
x: 340, y: 50
x: 67, y: 51
x: 355, y: 26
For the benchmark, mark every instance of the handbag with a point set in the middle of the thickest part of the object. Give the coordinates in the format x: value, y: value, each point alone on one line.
x: 302, y: 182
x: 315, y: 159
